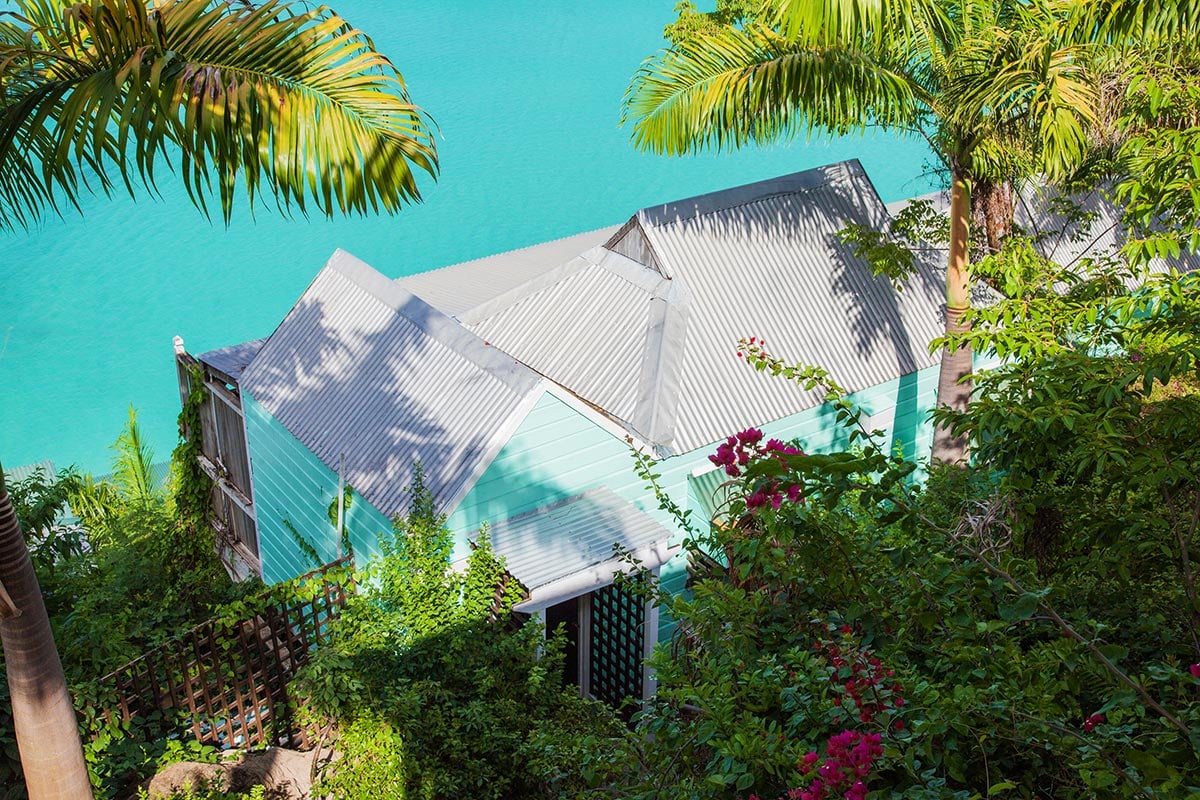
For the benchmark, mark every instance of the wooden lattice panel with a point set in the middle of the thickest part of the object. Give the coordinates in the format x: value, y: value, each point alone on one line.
x: 227, y: 681
x: 617, y: 624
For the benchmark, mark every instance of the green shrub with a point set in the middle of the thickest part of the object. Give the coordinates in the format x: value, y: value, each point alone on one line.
x: 430, y: 673
x: 208, y: 793
x: 370, y: 762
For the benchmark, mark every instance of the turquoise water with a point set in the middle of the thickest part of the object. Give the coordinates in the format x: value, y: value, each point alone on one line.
x: 527, y: 97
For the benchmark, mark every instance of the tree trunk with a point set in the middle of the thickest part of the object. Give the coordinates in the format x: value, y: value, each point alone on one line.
x: 954, y: 392
x: 43, y: 716
x: 992, y: 206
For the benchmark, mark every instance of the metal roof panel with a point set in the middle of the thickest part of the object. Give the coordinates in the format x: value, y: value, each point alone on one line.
x: 459, y: 287
x: 234, y: 359
x: 371, y: 378
x: 758, y: 260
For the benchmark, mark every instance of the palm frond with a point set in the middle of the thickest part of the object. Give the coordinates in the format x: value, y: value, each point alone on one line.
x: 271, y: 100
x: 1136, y: 21
x: 1025, y: 84
x: 875, y: 25
x: 728, y: 89
x: 133, y: 465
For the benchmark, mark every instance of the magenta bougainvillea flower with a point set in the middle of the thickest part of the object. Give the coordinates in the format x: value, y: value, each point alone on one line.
x: 740, y: 450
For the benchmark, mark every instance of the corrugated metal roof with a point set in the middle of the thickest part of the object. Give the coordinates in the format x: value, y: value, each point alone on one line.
x: 234, y: 359
x: 17, y: 474
x: 565, y: 542
x: 1088, y: 226
x: 456, y: 288
x: 714, y: 490
x: 588, y: 323
x: 758, y: 260
x: 364, y: 371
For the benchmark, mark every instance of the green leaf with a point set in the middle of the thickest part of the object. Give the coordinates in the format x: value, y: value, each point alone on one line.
x: 1021, y: 608
x: 1148, y: 764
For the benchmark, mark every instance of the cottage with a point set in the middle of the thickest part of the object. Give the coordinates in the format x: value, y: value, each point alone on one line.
x: 515, y: 380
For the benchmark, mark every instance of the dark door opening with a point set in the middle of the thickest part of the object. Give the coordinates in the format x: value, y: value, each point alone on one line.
x: 565, y: 615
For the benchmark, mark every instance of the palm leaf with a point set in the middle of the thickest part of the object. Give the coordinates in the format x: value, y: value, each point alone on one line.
x: 736, y: 86
x: 1137, y: 21
x: 1025, y: 84
x: 133, y: 466
x: 271, y: 100
x: 881, y: 26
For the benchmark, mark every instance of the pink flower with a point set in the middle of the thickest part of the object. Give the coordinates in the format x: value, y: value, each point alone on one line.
x: 750, y: 436
x: 1195, y: 669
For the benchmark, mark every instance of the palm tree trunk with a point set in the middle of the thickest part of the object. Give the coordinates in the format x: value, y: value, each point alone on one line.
x: 992, y: 207
x: 43, y: 716
x: 954, y: 392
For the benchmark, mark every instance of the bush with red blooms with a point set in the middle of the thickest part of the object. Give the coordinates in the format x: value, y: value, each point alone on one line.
x: 847, y: 633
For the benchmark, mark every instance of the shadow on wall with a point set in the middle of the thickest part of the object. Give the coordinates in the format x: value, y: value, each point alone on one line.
x: 361, y: 386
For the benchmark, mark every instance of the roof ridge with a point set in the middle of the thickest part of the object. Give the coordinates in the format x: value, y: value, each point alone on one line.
x: 658, y: 385
x: 794, y: 183
x: 616, y: 264
x: 520, y: 292
x: 509, y: 252
x: 435, y: 324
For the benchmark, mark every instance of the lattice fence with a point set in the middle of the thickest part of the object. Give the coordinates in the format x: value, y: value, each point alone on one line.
x: 227, y: 680
x: 618, y: 619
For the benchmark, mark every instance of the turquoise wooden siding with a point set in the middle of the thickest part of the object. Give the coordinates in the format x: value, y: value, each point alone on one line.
x: 556, y: 453
x: 292, y: 485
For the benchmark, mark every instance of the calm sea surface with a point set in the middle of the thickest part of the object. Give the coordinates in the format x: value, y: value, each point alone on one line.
x: 527, y: 96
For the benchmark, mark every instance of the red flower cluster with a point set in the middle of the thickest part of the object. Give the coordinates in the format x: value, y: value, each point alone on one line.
x: 849, y: 758
x: 862, y: 686
x: 738, y: 451
x: 865, y: 687
x: 1195, y: 669
x: 754, y: 340
x: 1091, y: 722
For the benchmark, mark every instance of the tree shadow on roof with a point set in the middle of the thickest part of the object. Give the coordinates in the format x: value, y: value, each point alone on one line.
x: 365, y: 386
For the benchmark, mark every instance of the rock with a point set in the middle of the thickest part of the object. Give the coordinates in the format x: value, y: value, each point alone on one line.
x: 177, y: 777
x: 286, y: 775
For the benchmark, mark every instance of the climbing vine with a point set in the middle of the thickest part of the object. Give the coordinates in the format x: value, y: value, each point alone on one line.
x: 193, y: 487
x: 192, y: 539
x: 347, y: 501
x: 311, y: 556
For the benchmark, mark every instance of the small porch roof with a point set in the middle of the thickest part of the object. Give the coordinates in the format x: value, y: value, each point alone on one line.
x: 234, y: 359
x: 566, y: 549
